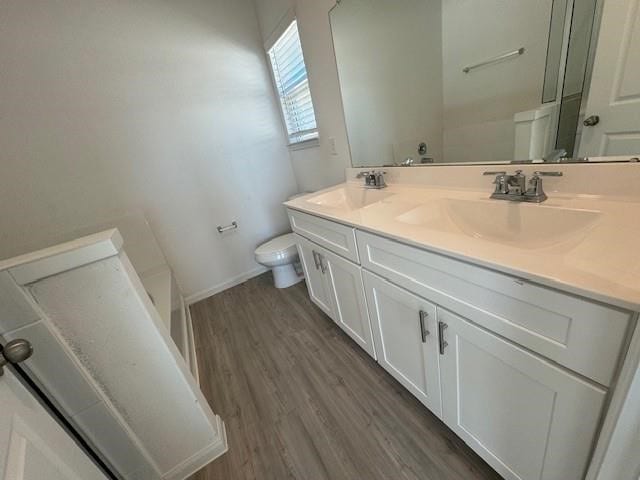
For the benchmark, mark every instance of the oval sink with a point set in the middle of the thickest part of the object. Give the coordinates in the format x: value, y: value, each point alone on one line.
x: 349, y: 198
x: 520, y: 224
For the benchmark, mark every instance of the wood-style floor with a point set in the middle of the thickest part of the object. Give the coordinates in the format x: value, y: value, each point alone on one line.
x: 302, y: 401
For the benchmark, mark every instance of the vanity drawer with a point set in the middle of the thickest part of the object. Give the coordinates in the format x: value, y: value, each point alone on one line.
x: 334, y: 236
x: 582, y: 335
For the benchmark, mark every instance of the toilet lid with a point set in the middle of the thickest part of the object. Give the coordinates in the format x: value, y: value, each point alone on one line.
x: 283, y: 243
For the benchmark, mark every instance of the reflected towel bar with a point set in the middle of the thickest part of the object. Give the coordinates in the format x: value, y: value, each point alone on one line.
x: 504, y: 56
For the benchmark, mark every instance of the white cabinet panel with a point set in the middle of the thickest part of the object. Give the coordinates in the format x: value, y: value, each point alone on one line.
x: 334, y: 236
x: 349, y: 304
x: 335, y: 285
x: 317, y: 282
x: 527, y: 418
x: 406, y: 340
x: 583, y: 335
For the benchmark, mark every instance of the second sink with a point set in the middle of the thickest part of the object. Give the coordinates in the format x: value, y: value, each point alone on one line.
x: 524, y: 225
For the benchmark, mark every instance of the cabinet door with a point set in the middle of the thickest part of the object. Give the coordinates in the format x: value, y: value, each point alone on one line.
x: 526, y: 417
x: 406, y: 338
x: 317, y: 282
x: 349, y: 304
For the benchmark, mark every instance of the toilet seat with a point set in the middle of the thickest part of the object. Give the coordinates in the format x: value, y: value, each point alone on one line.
x: 278, y: 251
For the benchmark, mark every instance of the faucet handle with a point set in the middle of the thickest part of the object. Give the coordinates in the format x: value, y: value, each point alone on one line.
x: 362, y: 174
x: 548, y: 174
x: 495, y: 173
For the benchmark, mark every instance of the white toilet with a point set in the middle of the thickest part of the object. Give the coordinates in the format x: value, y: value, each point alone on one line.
x: 281, y: 254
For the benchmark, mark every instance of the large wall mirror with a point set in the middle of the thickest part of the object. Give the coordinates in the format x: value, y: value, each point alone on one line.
x: 456, y: 81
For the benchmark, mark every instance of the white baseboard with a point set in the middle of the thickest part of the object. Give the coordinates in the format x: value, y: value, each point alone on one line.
x: 243, y: 277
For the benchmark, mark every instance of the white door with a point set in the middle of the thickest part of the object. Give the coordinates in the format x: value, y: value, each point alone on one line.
x: 314, y: 273
x: 405, y: 333
x: 614, y: 95
x: 350, y: 305
x: 32, y: 444
x: 526, y: 417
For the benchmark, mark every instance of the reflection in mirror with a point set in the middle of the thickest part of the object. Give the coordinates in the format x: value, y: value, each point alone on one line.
x: 458, y: 81
x: 609, y: 122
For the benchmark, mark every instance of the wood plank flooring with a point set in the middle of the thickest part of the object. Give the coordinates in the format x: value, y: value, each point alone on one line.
x: 302, y: 401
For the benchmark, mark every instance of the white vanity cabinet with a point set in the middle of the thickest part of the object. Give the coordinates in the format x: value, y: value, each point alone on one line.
x: 520, y: 371
x: 349, y: 303
x: 527, y: 418
x: 317, y: 282
x: 335, y: 285
x: 405, y: 335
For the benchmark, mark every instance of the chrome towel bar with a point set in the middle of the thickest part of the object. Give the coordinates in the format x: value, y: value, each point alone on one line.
x: 504, y: 56
x: 233, y: 226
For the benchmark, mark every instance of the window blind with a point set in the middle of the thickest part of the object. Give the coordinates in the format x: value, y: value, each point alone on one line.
x: 290, y: 75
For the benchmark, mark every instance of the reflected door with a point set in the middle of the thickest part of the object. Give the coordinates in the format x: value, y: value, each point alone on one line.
x: 33, y: 446
x: 614, y: 96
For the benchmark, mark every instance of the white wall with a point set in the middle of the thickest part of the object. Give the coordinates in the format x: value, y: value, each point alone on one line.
x: 479, y: 106
x: 153, y: 105
x: 389, y: 57
x: 318, y: 167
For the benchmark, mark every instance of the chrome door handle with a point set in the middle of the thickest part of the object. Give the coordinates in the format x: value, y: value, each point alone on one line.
x: 591, y: 121
x: 441, y: 341
x: 315, y: 259
x: 424, y: 332
x: 15, y: 351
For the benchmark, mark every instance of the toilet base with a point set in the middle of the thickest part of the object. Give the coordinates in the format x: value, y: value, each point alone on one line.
x: 285, y: 276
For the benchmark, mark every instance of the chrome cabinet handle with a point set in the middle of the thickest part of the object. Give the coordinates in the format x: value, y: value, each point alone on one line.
x: 323, y: 267
x: 315, y: 259
x: 424, y: 332
x: 441, y: 341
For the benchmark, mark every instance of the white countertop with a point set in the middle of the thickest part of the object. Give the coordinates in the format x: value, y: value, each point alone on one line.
x: 599, y: 260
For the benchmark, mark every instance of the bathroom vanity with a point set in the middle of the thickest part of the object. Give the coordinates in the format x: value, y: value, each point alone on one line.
x: 508, y: 321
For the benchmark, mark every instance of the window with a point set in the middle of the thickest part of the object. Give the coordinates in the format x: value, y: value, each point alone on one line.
x: 290, y: 75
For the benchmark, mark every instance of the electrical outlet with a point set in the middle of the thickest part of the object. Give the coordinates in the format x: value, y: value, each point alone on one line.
x: 332, y: 146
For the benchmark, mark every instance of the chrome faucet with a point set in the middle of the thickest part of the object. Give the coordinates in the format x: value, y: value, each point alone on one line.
x: 373, y: 179
x: 555, y: 156
x: 515, y: 187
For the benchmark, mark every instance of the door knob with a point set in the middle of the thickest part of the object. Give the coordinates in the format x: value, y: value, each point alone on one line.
x: 591, y: 121
x: 15, y: 351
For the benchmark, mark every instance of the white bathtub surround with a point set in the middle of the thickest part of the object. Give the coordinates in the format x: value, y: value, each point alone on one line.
x: 507, y: 320
x: 104, y: 353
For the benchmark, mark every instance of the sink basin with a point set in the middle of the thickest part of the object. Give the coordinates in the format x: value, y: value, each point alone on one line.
x: 349, y: 198
x: 524, y: 225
